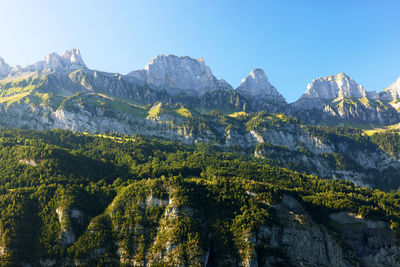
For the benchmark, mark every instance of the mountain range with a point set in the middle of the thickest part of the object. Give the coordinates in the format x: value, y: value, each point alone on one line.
x: 178, y: 98
x: 332, y: 100
x: 171, y: 166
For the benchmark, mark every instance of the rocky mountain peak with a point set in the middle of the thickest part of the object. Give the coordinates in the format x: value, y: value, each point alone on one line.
x: 392, y: 92
x: 4, y: 68
x: 333, y: 86
x: 178, y: 75
x: 70, y: 60
x: 257, y: 84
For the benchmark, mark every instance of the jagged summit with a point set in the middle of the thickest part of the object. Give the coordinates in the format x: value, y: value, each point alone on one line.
x: 257, y: 84
x: 69, y: 60
x: 72, y: 59
x: 333, y: 86
x: 4, y: 68
x: 173, y: 59
x: 332, y: 100
x: 323, y: 90
x: 338, y: 98
x: 179, y: 75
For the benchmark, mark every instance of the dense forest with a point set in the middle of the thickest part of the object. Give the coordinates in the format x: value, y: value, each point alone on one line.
x: 76, y: 198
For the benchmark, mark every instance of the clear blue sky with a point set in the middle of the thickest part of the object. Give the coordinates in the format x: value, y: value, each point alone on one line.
x: 293, y: 41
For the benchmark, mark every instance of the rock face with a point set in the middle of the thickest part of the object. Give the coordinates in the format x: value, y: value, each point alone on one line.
x: 4, y: 68
x: 179, y: 75
x: 304, y: 242
x: 294, y: 239
x: 373, y: 241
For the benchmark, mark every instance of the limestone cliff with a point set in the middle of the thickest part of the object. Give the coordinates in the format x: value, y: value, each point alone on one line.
x: 179, y: 75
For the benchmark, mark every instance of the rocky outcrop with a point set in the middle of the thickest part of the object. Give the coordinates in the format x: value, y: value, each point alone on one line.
x: 30, y: 162
x: 66, y: 218
x: 67, y: 236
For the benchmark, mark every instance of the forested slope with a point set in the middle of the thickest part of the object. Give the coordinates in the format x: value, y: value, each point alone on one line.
x: 74, y: 198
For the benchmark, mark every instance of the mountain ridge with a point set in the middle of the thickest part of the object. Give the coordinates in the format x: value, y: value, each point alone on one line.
x: 333, y: 100
x: 71, y: 59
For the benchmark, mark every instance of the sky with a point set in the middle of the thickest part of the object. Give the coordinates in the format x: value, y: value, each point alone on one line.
x: 292, y: 41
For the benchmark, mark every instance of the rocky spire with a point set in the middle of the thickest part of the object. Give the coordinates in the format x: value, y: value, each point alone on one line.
x: 72, y: 59
x: 179, y: 75
x: 257, y: 84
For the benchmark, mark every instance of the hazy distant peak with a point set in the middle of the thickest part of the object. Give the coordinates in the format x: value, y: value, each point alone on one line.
x: 393, y: 91
x: 70, y: 59
x: 5, y: 69
x: 395, y: 87
x: 73, y: 59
